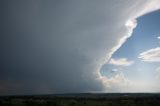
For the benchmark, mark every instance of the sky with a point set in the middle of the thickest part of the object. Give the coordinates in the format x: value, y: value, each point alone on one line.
x: 133, y: 61
x: 59, y: 46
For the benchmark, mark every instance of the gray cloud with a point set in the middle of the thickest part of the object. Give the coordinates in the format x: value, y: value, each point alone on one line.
x: 59, y: 46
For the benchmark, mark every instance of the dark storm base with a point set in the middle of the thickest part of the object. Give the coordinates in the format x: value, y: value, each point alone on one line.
x: 111, y: 99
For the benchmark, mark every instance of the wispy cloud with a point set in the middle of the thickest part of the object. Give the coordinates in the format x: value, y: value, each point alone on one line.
x: 152, y: 55
x: 121, y: 62
x: 158, y: 37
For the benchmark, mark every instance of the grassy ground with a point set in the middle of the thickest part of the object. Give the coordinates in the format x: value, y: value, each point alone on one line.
x: 83, y: 100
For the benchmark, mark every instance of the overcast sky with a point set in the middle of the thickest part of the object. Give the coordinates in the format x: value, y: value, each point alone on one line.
x: 74, y: 46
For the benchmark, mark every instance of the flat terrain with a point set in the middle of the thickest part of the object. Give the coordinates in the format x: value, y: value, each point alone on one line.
x: 110, y: 99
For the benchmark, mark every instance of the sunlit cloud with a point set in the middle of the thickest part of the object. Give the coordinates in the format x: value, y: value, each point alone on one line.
x: 118, y: 81
x: 152, y: 55
x: 131, y: 23
x: 121, y: 62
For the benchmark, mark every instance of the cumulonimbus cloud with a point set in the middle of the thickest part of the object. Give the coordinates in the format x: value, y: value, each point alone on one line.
x: 61, y: 46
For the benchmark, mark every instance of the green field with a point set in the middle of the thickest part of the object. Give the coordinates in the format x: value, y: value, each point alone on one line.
x: 83, y: 100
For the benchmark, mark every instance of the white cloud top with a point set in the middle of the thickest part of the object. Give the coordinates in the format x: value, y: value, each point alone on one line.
x: 121, y: 62
x: 152, y: 55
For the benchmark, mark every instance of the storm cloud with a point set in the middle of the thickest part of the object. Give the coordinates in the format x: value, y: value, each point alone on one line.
x: 59, y: 46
